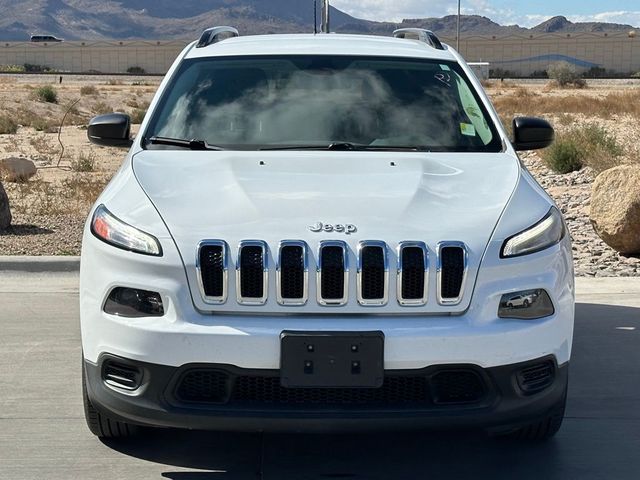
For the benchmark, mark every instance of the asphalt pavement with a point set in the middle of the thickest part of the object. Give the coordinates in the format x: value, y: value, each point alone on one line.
x: 43, y: 434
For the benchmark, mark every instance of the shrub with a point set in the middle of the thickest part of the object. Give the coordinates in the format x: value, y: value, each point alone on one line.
x: 47, y: 94
x: 84, y: 162
x: 563, y: 156
x: 88, y: 90
x: 137, y: 115
x: 12, y: 68
x: 7, y: 125
x: 564, y: 75
x: 31, y: 68
x: 136, y: 70
x: 101, y: 108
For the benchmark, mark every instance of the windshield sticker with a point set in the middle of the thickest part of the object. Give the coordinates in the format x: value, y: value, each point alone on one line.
x: 468, y: 129
x: 445, y: 67
x: 444, y: 78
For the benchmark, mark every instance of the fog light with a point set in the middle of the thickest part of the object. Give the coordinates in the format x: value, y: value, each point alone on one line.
x: 526, y: 305
x: 132, y: 302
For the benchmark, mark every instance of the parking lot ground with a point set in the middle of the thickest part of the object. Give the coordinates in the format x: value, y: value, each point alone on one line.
x: 43, y: 435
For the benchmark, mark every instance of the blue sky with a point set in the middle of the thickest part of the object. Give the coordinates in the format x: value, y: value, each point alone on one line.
x: 524, y: 13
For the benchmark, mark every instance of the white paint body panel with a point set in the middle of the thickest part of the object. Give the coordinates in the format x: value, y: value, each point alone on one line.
x: 183, y: 197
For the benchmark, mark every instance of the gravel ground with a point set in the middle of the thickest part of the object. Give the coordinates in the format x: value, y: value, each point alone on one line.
x: 572, y: 193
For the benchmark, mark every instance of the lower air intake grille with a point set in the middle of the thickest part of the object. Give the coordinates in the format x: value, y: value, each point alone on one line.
x: 119, y: 375
x: 212, y: 270
x: 452, y: 268
x: 536, y: 378
x: 457, y: 386
x: 203, y: 386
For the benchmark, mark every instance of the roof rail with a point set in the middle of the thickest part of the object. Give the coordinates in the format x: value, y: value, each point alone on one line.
x: 215, y: 35
x: 426, y: 36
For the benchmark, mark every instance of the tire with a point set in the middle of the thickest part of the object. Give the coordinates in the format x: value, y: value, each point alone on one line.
x: 101, y: 425
x: 525, y: 304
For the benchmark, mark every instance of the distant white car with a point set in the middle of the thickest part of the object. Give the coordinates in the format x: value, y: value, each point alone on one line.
x: 323, y: 232
x: 45, y: 38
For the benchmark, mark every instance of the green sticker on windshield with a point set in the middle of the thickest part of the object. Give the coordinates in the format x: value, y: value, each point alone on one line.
x: 445, y: 67
x: 468, y: 129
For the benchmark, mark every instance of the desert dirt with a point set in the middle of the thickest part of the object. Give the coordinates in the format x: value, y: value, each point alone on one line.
x: 50, y: 209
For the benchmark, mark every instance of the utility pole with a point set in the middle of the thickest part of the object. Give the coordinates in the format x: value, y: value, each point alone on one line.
x: 458, y: 29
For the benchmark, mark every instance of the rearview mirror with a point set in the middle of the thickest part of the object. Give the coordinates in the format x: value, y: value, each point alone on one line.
x: 110, y: 130
x: 531, y: 133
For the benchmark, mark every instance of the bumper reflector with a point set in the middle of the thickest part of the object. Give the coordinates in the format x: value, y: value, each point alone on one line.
x: 526, y: 305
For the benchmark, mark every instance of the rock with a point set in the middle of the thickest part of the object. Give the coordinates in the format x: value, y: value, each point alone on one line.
x: 15, y: 169
x: 5, y: 212
x: 615, y: 208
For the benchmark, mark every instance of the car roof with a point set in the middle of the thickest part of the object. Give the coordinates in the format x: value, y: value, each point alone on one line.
x: 321, y: 44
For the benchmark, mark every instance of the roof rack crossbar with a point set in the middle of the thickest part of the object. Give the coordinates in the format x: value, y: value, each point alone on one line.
x: 426, y: 36
x: 215, y: 35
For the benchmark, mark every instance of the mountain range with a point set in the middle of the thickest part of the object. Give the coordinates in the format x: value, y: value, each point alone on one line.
x: 185, y: 19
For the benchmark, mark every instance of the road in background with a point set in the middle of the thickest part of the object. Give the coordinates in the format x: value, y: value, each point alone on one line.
x: 43, y: 434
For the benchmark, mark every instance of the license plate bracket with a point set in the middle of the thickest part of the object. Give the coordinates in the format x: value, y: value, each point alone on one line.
x: 331, y: 359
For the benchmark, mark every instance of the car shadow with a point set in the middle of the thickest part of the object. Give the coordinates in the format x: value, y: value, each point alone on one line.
x: 599, y: 438
x: 23, y: 230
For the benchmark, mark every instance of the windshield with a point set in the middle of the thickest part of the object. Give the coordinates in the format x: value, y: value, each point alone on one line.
x: 251, y: 103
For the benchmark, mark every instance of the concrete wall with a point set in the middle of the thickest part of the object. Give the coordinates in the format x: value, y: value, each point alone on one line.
x: 522, y: 55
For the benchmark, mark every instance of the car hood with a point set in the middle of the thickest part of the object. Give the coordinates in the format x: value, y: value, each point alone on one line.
x: 272, y: 196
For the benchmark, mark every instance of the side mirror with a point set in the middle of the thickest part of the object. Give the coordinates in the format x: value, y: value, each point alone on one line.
x: 110, y: 130
x: 531, y: 133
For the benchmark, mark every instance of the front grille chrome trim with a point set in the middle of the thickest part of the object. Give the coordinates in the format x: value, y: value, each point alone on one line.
x: 451, y: 301
x: 333, y: 302
x: 379, y: 302
x: 265, y: 273
x: 412, y: 302
x: 225, y: 271
x: 305, y: 262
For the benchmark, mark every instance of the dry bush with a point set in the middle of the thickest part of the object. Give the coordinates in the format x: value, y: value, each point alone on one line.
x: 47, y: 94
x: 7, y: 125
x: 88, y: 90
x: 84, y: 162
x: 114, y: 81
x: 564, y: 75
x: 101, y: 108
x: 45, y: 149
x: 137, y: 115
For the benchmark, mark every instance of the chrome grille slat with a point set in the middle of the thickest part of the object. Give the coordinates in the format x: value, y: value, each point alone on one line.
x: 333, y: 273
x: 413, y: 274
x: 252, y: 273
x: 292, y: 273
x: 452, y: 272
x: 373, y: 273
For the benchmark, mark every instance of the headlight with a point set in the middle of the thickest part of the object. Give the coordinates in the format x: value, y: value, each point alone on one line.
x: 547, y: 232
x: 115, y: 232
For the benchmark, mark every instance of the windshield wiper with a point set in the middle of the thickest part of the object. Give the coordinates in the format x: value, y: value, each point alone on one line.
x: 193, y: 144
x: 346, y: 146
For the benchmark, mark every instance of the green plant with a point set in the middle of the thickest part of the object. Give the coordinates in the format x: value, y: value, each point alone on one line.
x: 84, y: 162
x: 7, y: 125
x: 563, y: 156
x: 47, y: 94
x: 136, y: 70
x: 565, y: 75
x: 12, y: 68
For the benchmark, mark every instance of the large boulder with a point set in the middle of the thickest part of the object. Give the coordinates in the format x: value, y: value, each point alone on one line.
x: 16, y: 169
x: 615, y: 208
x: 5, y: 212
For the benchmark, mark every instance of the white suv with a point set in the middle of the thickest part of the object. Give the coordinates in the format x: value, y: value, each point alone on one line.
x: 321, y: 232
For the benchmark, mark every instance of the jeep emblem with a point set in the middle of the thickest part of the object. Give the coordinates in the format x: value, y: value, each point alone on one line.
x: 338, y: 227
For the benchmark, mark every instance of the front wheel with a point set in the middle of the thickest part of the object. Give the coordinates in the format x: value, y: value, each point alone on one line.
x: 101, y: 425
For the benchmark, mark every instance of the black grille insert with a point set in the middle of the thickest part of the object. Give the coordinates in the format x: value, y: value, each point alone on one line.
x: 536, y: 378
x: 203, y: 386
x: 292, y: 272
x: 373, y: 272
x: 456, y: 387
x: 252, y: 271
x: 452, y: 264
x: 413, y: 269
x: 332, y: 263
x: 212, y: 270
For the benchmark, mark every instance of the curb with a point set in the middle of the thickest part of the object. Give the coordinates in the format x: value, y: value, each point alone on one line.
x: 32, y: 264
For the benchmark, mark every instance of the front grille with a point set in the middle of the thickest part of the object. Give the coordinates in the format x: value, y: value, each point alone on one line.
x: 373, y: 273
x: 120, y: 375
x: 218, y: 387
x: 412, y: 273
x: 332, y: 278
x: 213, y: 270
x: 292, y: 273
x: 536, y: 378
x: 452, y: 259
x: 332, y: 266
x: 251, y: 272
x: 457, y: 386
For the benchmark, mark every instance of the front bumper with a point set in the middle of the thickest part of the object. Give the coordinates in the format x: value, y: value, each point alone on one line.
x: 502, y: 404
